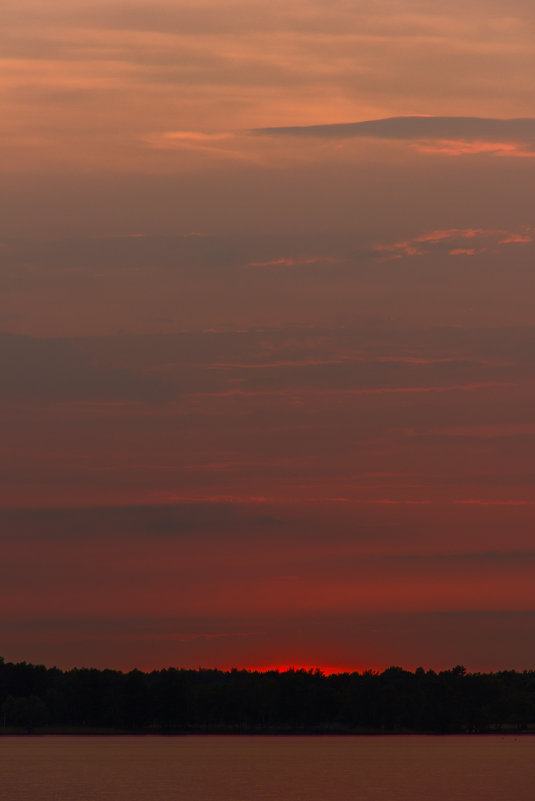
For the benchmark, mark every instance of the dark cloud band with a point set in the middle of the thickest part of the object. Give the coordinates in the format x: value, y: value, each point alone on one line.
x: 414, y: 127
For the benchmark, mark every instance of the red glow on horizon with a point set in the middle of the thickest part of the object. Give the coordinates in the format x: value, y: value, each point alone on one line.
x: 327, y: 670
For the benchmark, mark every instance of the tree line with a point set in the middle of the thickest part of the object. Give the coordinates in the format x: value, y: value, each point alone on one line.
x: 175, y: 700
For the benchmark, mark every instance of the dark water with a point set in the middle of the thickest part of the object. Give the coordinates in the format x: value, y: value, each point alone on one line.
x: 487, y: 768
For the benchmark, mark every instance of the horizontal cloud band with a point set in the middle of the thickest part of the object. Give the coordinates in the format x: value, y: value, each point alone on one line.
x: 414, y: 127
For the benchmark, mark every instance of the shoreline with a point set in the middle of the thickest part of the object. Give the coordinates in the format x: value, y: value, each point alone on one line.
x: 89, y: 732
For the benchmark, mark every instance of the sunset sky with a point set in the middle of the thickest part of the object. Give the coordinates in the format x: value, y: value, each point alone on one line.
x: 267, y: 333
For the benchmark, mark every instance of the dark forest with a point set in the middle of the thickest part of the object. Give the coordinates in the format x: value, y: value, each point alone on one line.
x: 34, y: 698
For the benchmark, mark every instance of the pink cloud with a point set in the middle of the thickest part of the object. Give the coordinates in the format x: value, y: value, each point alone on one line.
x: 296, y: 261
x: 413, y: 247
x: 462, y: 147
x: 519, y: 239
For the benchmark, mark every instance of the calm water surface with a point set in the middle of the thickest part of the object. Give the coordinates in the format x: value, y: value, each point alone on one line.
x: 490, y: 768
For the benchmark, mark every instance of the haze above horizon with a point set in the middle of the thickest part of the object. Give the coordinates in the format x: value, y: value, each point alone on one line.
x: 267, y: 333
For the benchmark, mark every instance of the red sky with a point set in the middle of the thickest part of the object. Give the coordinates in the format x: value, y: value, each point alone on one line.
x: 267, y: 334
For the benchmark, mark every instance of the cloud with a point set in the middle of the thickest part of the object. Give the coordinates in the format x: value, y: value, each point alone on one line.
x: 516, y: 239
x: 102, y: 374
x: 462, y: 147
x: 90, y: 370
x: 53, y: 369
x: 415, y: 128
x: 205, y: 143
x: 297, y: 261
x: 176, y: 521
x: 424, y: 243
x: 201, y: 137
x: 452, y: 136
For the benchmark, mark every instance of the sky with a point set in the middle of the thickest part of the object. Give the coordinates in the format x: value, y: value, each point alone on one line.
x: 267, y: 333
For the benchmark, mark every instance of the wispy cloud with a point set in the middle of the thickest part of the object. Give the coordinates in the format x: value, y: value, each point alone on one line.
x: 453, y: 239
x: 452, y: 136
x: 297, y: 261
x: 415, y: 127
x: 463, y: 147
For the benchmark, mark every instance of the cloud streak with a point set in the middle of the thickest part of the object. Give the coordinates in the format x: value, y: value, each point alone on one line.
x: 451, y: 136
x: 414, y: 128
x: 454, y: 239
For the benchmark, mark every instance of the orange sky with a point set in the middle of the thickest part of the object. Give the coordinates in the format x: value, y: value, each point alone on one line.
x: 267, y: 333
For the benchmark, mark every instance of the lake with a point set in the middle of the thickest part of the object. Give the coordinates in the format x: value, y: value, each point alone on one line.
x: 227, y: 768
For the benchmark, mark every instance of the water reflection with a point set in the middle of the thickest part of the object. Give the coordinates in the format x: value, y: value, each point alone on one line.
x: 414, y: 768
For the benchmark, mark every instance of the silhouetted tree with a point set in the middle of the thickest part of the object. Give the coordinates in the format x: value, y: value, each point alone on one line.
x: 173, y: 699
